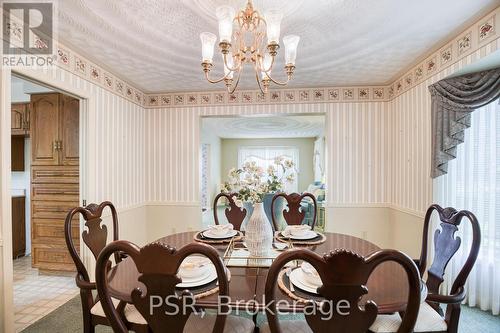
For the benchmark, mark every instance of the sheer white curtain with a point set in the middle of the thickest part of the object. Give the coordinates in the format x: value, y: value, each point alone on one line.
x: 473, y: 183
x: 264, y: 157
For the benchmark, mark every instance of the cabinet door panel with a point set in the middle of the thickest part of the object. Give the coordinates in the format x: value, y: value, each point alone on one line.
x: 69, y: 130
x: 18, y: 119
x: 44, y: 129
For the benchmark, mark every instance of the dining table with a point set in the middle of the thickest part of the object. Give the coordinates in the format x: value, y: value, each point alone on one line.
x: 387, y: 285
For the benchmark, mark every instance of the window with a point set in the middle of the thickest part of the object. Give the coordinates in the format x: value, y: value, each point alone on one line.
x: 473, y: 183
x: 264, y: 157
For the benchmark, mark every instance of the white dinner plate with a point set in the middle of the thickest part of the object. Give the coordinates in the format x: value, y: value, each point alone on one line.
x: 209, y: 234
x: 309, y: 234
x: 297, y: 279
x: 202, y: 272
x: 206, y: 278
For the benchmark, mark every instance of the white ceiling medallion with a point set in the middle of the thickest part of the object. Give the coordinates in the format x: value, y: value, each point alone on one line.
x: 246, y: 46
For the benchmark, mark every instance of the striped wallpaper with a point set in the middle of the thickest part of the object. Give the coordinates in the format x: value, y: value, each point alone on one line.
x: 410, y: 139
x: 113, y: 144
x: 356, y: 135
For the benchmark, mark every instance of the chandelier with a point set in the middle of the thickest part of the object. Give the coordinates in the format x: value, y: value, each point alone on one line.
x: 246, y: 46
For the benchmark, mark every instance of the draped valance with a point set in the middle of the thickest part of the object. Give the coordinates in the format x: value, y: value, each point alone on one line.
x: 453, y: 100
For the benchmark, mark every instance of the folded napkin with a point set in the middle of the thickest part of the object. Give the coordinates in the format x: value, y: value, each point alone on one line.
x: 221, y: 227
x: 295, y: 228
x: 192, y: 262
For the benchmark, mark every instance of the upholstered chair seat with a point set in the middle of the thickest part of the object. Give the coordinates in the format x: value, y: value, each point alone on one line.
x: 292, y: 326
x: 428, y: 320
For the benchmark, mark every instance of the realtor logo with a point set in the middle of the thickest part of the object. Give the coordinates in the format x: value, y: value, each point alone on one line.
x: 28, y: 33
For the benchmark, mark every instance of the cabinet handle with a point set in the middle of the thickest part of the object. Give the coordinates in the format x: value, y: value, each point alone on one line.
x: 54, y: 145
x: 60, y: 145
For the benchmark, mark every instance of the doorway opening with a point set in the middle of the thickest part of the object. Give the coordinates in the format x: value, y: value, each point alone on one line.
x: 227, y: 143
x: 45, y: 185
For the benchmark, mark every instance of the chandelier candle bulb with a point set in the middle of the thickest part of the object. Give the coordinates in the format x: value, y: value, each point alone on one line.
x: 225, y: 15
x: 273, y: 23
x: 207, y: 46
x: 291, y: 42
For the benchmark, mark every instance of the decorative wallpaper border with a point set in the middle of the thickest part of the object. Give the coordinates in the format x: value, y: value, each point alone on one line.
x: 280, y: 96
x: 75, y: 63
x: 484, y: 31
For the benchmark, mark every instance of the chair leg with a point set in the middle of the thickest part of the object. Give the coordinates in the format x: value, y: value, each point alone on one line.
x: 88, y: 325
x: 453, y: 317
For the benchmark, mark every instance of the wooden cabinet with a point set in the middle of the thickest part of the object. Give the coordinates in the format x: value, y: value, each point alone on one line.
x: 69, y: 130
x: 17, y: 153
x: 45, y: 129
x: 54, y: 178
x: 20, y: 118
x: 55, y: 129
x: 18, y: 227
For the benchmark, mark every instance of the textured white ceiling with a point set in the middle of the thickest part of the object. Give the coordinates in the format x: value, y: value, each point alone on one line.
x: 264, y: 127
x: 155, y: 43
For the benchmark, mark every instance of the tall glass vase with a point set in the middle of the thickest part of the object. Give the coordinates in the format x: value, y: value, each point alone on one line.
x: 258, y: 232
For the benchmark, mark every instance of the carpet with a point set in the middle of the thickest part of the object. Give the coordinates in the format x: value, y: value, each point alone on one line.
x: 68, y: 319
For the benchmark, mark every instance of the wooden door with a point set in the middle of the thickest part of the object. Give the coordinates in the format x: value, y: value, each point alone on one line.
x: 69, y: 130
x: 44, y: 129
x: 18, y: 118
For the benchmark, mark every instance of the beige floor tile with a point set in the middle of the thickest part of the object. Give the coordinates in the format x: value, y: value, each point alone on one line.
x: 37, y: 295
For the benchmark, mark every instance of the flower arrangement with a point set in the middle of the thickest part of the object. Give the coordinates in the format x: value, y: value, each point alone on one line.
x: 251, y: 183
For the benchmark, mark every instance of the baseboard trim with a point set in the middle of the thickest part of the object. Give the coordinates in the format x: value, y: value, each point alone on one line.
x: 174, y: 203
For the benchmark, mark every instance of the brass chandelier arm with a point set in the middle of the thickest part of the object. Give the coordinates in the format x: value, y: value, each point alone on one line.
x: 217, y: 80
x: 258, y: 82
x: 279, y: 83
x: 236, y: 67
x: 236, y: 83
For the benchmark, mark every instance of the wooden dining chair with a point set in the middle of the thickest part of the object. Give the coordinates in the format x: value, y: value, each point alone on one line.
x: 158, y: 265
x: 431, y: 318
x: 295, y: 214
x: 95, y: 239
x: 234, y: 214
x: 344, y: 275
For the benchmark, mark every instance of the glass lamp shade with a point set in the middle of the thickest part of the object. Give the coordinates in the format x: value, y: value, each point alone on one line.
x: 273, y: 19
x: 291, y: 42
x: 227, y: 72
x: 207, y: 46
x: 266, y: 63
x: 225, y: 16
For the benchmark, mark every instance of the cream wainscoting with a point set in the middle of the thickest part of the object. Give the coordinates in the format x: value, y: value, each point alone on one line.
x: 356, y: 136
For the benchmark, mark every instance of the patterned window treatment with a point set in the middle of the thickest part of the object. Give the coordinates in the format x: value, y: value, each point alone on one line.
x: 473, y: 183
x: 453, y: 101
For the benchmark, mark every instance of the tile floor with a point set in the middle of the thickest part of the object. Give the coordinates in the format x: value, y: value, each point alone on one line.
x: 36, y: 295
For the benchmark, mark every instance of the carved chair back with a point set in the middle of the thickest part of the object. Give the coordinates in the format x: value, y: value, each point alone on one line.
x: 95, y: 239
x: 234, y: 214
x: 344, y: 275
x: 446, y: 244
x: 294, y: 215
x: 158, y: 265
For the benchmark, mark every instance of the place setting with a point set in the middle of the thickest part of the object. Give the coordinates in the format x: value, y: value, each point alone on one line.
x: 218, y: 234
x: 300, y: 234
x: 199, y: 276
x: 300, y: 282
